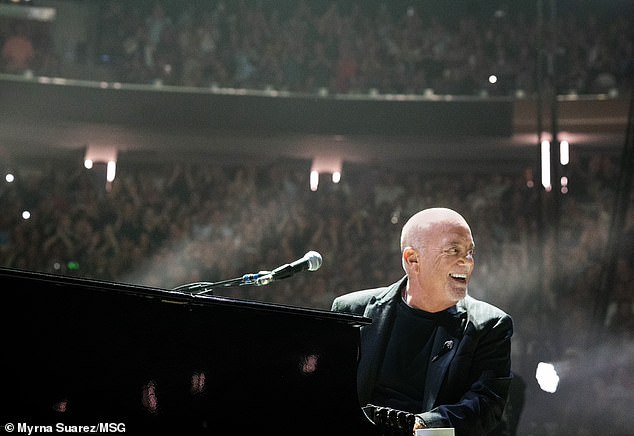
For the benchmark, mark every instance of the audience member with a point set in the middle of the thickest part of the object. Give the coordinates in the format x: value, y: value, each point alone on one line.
x: 18, y: 51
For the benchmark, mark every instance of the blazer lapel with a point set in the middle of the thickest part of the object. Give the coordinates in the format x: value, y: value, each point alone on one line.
x: 374, y: 339
x: 446, y: 343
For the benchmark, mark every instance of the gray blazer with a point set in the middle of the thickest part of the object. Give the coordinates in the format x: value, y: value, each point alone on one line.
x: 469, y: 372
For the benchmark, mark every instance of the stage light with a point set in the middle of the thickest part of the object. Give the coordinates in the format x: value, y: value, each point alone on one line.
x: 111, y: 170
x: 325, y: 165
x: 546, y: 165
x: 564, y: 184
x: 564, y: 152
x: 314, y: 180
x: 102, y: 154
x: 547, y: 377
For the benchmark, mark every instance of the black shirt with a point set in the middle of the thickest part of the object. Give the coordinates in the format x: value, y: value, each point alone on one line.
x: 401, y: 381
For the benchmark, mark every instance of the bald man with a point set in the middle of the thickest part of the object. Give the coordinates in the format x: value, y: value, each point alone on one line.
x: 432, y: 350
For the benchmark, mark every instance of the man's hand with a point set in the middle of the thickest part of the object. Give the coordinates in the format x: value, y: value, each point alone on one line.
x: 418, y: 424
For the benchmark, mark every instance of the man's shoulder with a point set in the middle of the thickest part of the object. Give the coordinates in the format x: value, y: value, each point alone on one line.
x: 361, y: 296
x: 485, y: 316
x: 357, y: 301
x: 482, y: 309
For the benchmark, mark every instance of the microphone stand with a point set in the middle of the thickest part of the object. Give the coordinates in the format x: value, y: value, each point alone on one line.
x: 310, y: 261
x: 201, y: 288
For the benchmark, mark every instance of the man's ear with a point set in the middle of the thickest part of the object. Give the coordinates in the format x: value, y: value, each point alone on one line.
x: 410, y: 256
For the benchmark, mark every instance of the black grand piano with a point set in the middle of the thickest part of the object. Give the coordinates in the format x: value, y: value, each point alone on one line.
x: 121, y: 358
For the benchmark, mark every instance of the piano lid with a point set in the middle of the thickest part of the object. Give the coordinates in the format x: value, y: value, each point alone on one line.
x: 91, y: 352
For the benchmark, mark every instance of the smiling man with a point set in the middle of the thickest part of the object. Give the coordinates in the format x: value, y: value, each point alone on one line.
x: 432, y: 352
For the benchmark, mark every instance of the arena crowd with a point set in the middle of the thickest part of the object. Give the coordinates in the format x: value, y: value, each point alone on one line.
x: 335, y: 47
x: 164, y: 225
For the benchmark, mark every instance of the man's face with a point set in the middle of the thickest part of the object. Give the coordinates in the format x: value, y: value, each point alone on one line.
x: 447, y: 262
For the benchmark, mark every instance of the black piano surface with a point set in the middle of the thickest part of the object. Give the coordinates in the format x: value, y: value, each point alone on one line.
x: 78, y: 352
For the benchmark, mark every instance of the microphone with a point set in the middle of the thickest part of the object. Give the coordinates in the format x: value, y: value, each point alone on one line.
x: 311, y: 262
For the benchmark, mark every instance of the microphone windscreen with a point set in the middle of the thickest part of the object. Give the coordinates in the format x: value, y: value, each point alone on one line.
x: 314, y: 260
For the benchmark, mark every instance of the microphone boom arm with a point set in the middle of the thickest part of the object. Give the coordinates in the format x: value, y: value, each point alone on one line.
x: 311, y: 261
